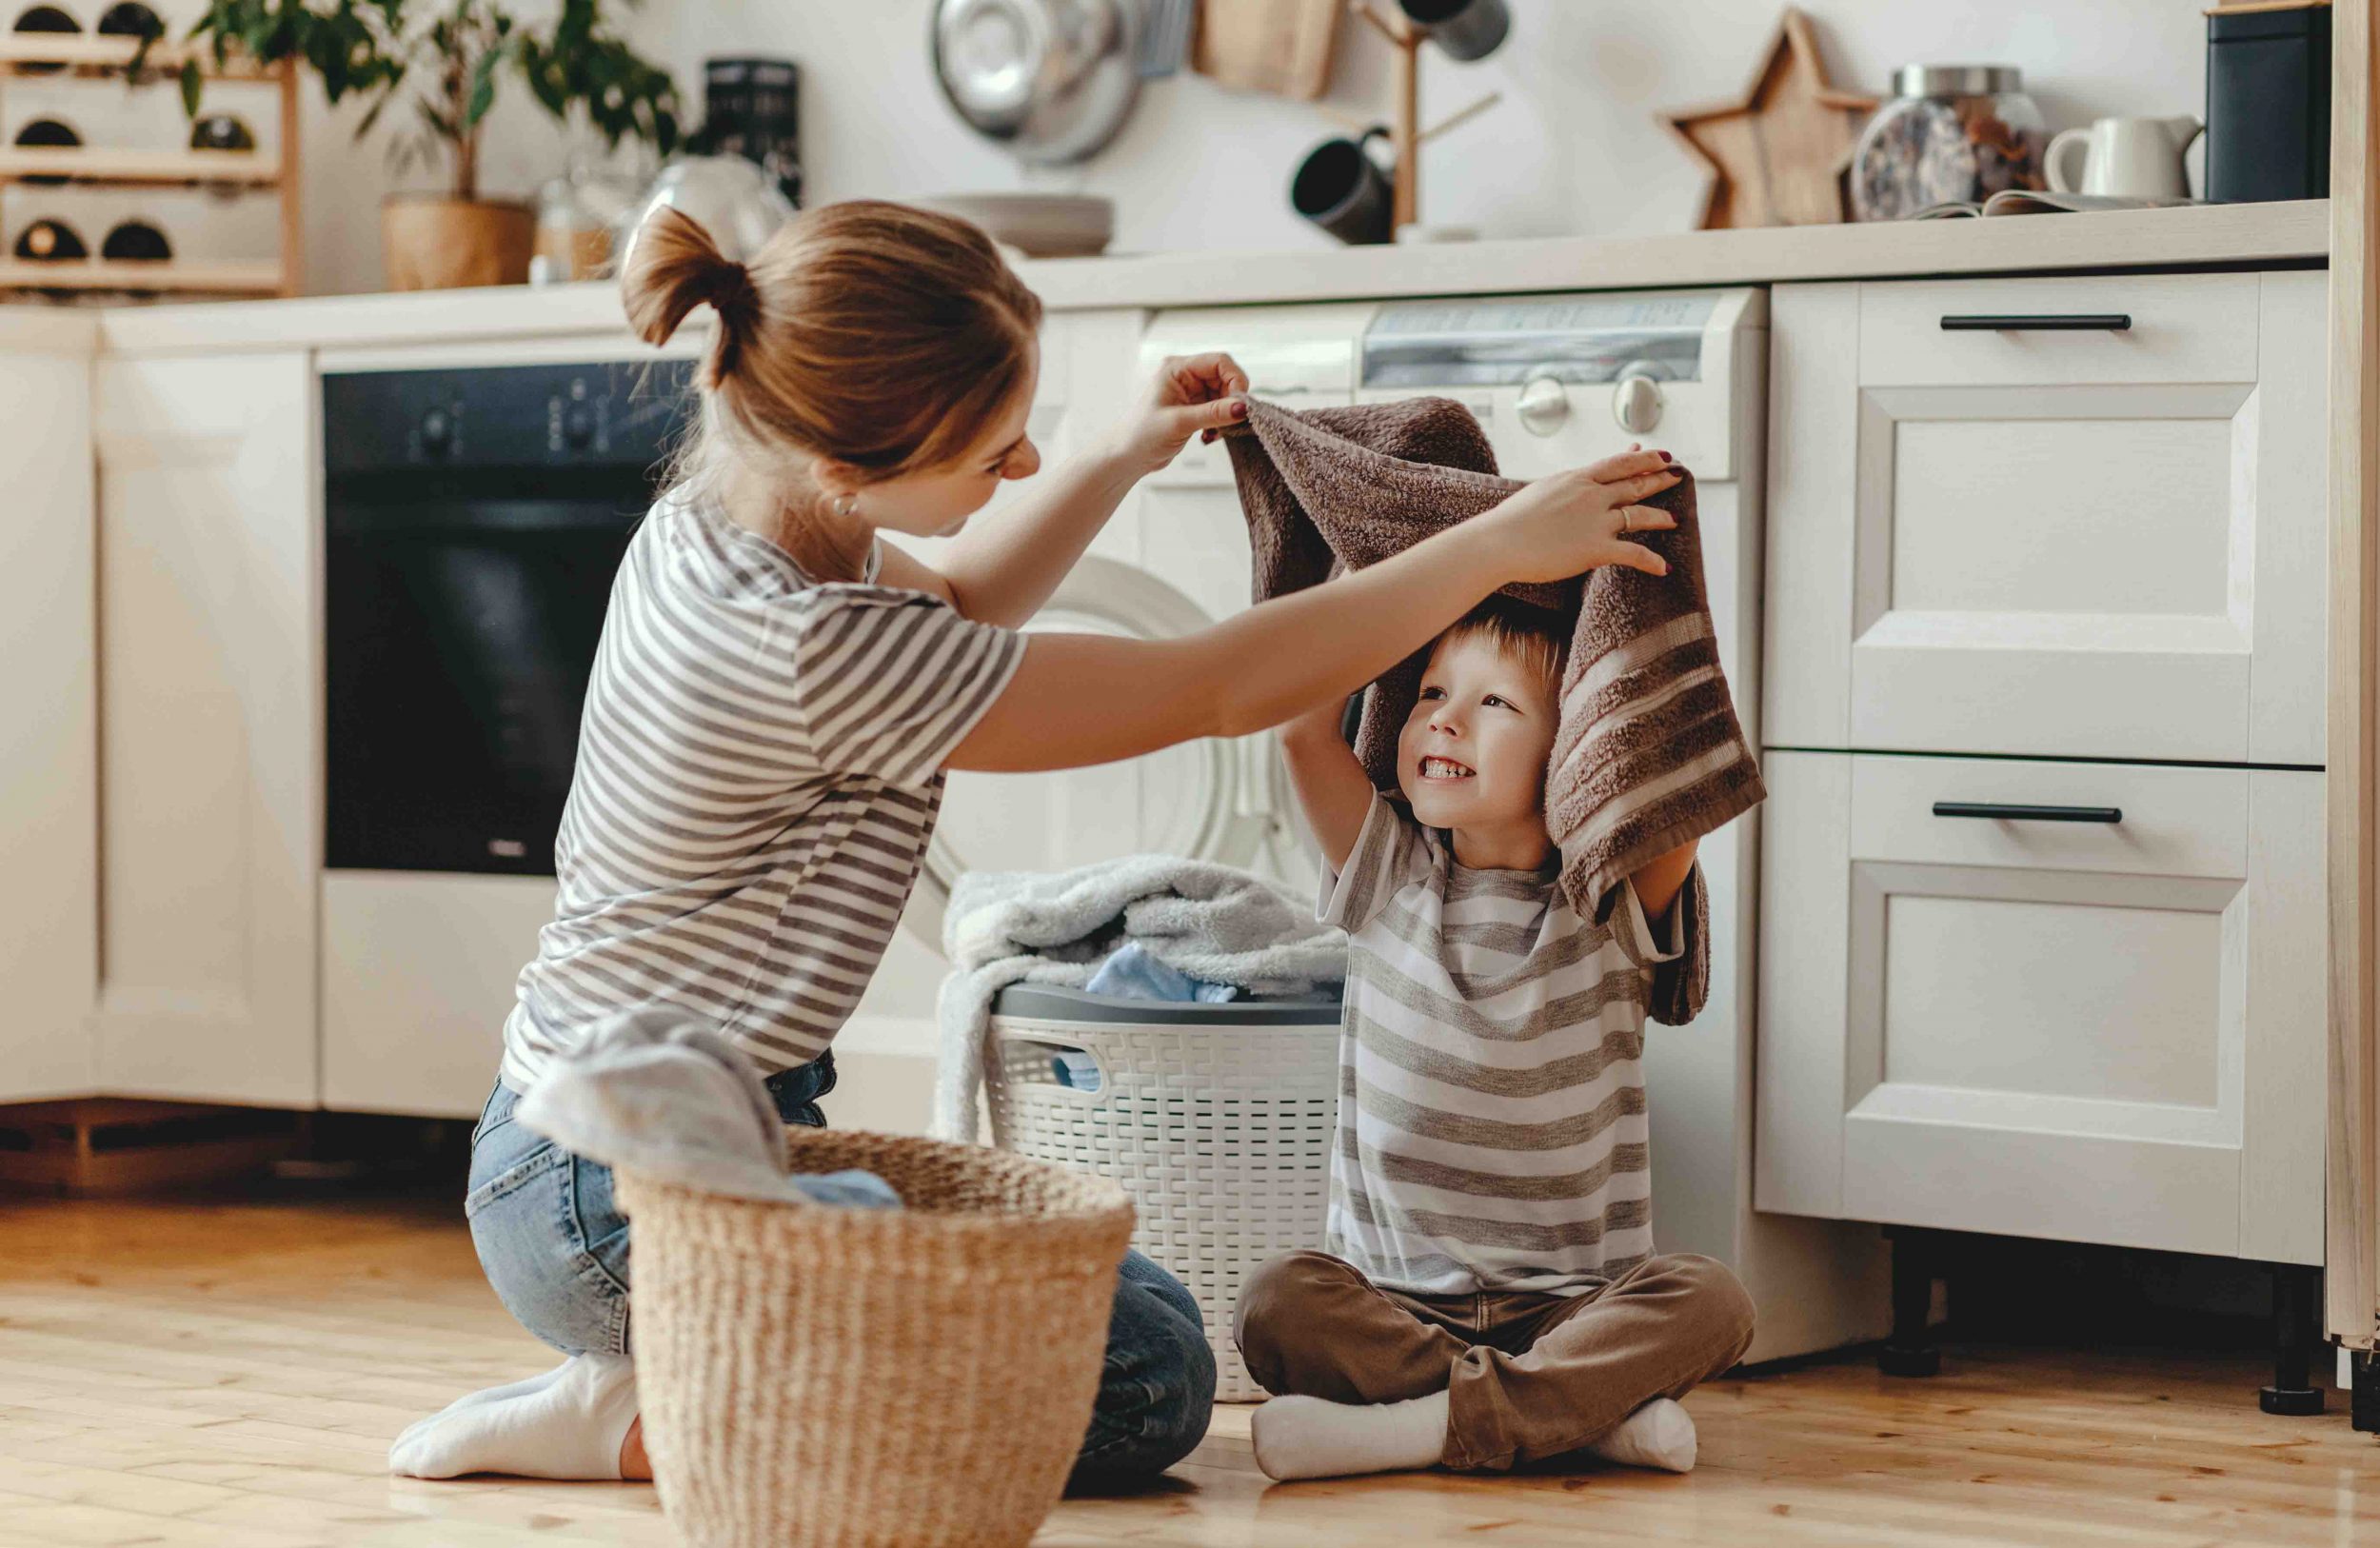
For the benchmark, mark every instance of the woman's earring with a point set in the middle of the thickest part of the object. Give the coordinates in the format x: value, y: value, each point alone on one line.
x: 845, y: 504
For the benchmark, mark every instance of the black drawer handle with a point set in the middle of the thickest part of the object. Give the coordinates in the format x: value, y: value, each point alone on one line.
x: 2080, y: 322
x: 2028, y: 814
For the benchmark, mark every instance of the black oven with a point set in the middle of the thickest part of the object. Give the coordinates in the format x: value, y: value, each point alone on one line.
x: 475, y: 518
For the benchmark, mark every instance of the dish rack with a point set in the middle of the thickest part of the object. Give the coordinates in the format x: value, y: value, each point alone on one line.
x: 1217, y: 1119
x: 52, y: 56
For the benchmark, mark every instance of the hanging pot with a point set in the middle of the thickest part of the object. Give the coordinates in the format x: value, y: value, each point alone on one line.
x: 429, y: 242
x: 1050, y: 80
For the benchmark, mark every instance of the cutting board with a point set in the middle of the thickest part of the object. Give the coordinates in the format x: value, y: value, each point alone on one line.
x: 1282, y: 46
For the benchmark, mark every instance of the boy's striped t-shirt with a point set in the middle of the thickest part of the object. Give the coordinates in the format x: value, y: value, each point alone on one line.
x: 1492, y: 1125
x: 758, y: 771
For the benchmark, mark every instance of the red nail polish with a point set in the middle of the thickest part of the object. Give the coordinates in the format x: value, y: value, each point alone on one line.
x: 1239, y: 411
x: 1664, y: 456
x: 1206, y: 437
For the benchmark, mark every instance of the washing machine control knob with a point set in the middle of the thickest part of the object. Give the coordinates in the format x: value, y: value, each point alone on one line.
x: 1543, y: 406
x: 1637, y: 402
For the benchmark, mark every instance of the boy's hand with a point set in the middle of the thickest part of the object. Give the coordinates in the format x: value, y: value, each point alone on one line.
x: 1579, y: 520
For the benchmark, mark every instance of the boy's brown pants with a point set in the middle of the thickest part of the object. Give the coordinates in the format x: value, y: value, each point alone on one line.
x: 1528, y: 1375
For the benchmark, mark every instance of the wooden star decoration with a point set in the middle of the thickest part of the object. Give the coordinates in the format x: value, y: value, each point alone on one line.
x: 1775, y: 156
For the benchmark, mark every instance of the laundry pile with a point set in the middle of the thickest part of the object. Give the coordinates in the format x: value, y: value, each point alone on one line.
x: 1208, y: 927
x: 658, y: 1093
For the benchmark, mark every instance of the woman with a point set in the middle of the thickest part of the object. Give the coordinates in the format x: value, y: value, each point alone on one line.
x: 777, y: 695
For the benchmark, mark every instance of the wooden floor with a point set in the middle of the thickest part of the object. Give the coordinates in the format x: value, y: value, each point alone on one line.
x: 231, y: 1373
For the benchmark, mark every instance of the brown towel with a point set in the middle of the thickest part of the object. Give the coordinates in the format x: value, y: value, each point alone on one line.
x: 1648, y: 754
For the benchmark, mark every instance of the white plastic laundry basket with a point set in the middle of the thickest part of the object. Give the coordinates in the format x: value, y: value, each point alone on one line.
x: 1217, y: 1119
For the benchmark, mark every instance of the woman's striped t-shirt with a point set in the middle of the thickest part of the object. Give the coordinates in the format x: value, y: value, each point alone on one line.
x: 758, y: 769
x: 1492, y: 1125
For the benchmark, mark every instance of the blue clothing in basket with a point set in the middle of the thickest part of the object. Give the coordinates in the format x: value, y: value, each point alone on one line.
x: 1132, y: 973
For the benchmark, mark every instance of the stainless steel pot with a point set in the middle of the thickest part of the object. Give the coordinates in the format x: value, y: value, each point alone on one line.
x: 1051, y: 80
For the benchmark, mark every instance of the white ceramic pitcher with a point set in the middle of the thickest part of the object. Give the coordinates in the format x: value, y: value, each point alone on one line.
x: 2134, y: 158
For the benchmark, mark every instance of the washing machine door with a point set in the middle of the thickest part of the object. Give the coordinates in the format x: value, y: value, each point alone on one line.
x: 1224, y: 800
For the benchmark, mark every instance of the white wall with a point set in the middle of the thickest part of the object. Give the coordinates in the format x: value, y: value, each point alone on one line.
x: 1571, y: 148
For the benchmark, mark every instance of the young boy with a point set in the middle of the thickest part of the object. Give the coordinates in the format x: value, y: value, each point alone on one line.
x: 1491, y: 1294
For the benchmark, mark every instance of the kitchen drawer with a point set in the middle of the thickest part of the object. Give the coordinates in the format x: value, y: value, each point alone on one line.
x: 2090, y: 1030
x: 2182, y: 327
x: 2087, y: 545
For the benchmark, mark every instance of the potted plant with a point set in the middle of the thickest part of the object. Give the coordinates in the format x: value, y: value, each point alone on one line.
x: 444, y: 57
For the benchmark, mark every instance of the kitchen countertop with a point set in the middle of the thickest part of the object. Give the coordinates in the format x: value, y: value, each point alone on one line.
x: 2214, y: 234
x: 48, y: 330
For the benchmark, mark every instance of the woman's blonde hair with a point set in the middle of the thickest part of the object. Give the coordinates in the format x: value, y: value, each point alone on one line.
x: 883, y: 337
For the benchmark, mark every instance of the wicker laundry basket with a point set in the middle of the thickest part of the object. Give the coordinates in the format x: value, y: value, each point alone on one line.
x: 910, y: 1378
x: 1217, y: 1119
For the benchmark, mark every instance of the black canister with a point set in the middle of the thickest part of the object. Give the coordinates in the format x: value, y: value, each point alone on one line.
x: 2268, y: 102
x: 752, y: 108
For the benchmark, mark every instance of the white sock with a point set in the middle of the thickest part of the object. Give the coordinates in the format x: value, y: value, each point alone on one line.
x: 486, y: 1395
x: 1660, y: 1433
x: 568, y: 1424
x: 1307, y: 1438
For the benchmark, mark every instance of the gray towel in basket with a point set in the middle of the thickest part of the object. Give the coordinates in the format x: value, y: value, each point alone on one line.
x: 660, y: 1094
x: 1213, y: 923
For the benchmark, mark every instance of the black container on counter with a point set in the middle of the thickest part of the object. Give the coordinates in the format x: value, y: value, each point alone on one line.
x: 752, y: 108
x: 2268, y: 102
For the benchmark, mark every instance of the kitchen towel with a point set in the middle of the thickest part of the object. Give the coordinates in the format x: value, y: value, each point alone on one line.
x: 1648, y: 753
x: 658, y: 1093
x: 1216, y: 924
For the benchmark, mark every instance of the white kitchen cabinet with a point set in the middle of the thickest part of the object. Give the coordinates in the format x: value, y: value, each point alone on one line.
x: 209, y: 672
x: 2049, y: 538
x: 2102, y: 1030
x: 417, y: 975
x: 48, y: 913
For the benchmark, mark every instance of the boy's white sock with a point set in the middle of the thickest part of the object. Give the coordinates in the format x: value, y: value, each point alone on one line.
x: 1307, y: 1438
x: 568, y: 1424
x: 1660, y: 1433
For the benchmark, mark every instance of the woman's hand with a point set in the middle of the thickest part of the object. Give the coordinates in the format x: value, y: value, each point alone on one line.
x: 1188, y: 394
x: 1577, y: 520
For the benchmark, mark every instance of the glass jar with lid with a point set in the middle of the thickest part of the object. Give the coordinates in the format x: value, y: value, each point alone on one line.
x: 1951, y: 134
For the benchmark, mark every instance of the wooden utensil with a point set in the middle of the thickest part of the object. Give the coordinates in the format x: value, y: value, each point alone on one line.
x: 1282, y: 46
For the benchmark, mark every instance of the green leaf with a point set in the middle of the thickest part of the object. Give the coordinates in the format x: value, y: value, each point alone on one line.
x: 193, y: 87
x: 483, y: 85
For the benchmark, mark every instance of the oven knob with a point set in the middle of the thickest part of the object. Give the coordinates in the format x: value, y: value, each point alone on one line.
x: 1543, y: 405
x: 578, y: 428
x: 437, y: 431
x: 1637, y: 402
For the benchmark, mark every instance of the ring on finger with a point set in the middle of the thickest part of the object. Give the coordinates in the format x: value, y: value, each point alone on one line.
x: 1627, y: 518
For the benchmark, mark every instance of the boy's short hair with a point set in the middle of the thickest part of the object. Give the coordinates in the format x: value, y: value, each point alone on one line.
x: 1534, y: 635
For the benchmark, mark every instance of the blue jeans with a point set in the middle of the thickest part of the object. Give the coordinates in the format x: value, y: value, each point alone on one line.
x: 555, y: 1248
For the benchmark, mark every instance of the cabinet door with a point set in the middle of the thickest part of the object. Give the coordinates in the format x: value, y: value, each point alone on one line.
x: 49, y: 912
x: 2057, y: 540
x: 209, y: 674
x: 2090, y: 1030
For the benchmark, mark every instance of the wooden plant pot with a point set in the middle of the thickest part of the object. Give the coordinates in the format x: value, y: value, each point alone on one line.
x: 433, y: 242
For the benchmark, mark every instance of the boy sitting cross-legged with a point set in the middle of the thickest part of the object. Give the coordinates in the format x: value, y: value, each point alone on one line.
x: 1491, y: 1294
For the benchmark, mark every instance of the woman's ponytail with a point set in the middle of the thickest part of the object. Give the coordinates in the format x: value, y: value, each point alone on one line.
x: 673, y: 267
x: 884, y: 338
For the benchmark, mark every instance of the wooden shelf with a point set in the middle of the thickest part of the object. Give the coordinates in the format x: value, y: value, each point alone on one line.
x: 25, y: 163
x: 258, y: 278
x: 110, y: 55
